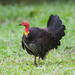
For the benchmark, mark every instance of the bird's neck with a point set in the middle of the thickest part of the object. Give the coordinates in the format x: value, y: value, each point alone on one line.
x: 26, y: 30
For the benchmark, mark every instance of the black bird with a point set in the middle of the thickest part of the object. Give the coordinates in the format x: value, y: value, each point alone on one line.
x: 39, y: 41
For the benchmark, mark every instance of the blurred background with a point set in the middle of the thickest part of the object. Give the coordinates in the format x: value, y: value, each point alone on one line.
x: 36, y: 12
x: 4, y: 2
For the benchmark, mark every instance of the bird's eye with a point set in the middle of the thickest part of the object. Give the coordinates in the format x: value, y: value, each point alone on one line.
x: 23, y: 22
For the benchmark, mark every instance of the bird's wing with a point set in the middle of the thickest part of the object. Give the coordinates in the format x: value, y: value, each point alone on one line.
x: 23, y: 46
x: 27, y: 41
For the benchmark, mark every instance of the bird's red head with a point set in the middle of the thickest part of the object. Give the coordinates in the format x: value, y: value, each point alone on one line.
x: 26, y: 24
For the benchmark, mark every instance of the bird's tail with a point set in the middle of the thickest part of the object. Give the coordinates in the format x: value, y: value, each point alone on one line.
x: 55, y: 28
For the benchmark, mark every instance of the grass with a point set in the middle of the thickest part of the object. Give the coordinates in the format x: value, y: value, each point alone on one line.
x: 15, y: 61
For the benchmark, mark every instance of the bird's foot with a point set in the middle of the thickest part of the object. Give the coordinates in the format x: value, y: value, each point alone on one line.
x: 35, y: 65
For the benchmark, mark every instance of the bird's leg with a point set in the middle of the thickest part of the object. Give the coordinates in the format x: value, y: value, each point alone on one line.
x: 35, y: 61
x: 39, y: 60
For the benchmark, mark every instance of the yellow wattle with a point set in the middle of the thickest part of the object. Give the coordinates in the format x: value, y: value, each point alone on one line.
x: 26, y: 33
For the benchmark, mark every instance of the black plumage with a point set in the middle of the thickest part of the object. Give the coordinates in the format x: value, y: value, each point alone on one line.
x: 39, y: 41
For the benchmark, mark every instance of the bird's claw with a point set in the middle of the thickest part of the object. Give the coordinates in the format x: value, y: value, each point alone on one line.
x: 35, y: 65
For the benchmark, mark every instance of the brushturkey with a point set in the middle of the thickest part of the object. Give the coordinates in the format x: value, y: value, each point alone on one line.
x: 39, y: 41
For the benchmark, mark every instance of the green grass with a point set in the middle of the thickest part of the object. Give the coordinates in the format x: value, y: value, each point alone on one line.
x: 15, y: 61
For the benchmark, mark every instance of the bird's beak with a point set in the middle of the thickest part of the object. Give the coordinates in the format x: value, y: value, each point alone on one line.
x: 20, y: 24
